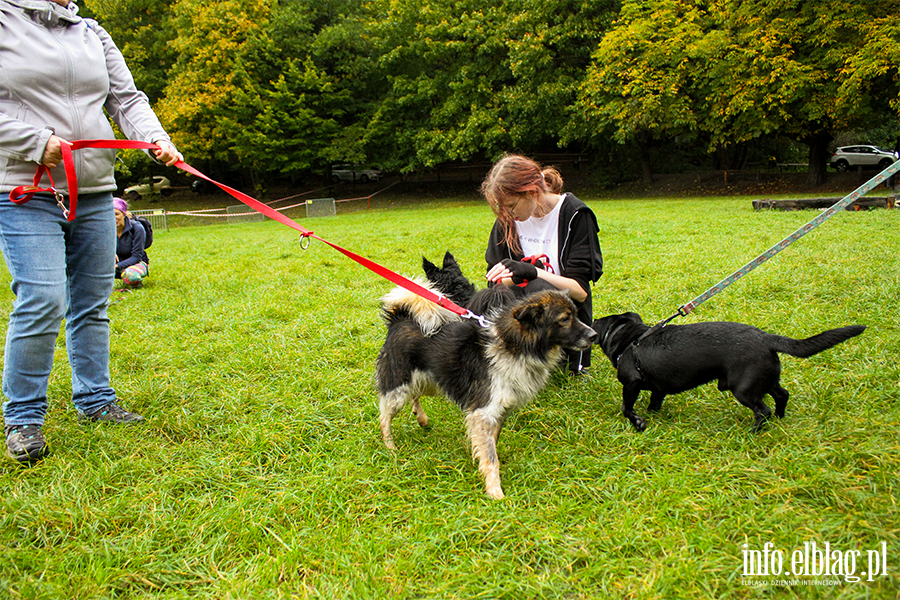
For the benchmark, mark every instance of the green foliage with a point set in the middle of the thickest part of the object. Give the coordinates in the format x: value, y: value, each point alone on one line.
x: 143, y: 31
x: 283, y: 88
x: 871, y: 76
x: 469, y: 80
x: 259, y: 472
x: 645, y: 74
x: 731, y: 72
x: 244, y: 93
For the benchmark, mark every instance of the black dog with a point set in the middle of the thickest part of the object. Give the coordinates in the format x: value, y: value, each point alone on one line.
x: 449, y: 279
x: 677, y: 358
x: 451, y: 282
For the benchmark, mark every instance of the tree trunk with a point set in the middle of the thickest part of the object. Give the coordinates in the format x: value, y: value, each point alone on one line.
x: 731, y: 158
x: 643, y: 144
x: 818, y: 157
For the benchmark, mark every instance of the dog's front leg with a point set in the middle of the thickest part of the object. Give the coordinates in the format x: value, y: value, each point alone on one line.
x: 630, y: 393
x: 495, y: 430
x: 482, y: 431
x: 656, y: 400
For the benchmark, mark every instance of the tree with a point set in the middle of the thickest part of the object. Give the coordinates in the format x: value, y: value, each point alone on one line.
x: 645, y: 82
x: 468, y: 79
x: 870, y: 80
x: 142, y: 30
x: 244, y: 95
x: 732, y: 72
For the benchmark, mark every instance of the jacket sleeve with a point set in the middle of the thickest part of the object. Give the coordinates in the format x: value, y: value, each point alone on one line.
x: 21, y: 141
x: 498, y: 249
x: 126, y: 105
x: 138, y: 238
x: 583, y: 261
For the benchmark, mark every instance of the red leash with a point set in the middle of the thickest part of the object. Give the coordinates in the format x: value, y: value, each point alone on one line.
x: 23, y: 194
x: 538, y: 258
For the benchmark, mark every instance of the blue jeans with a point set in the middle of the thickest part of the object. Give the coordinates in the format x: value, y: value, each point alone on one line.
x: 59, y: 269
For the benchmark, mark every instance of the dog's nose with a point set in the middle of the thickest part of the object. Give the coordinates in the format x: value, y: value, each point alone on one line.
x: 592, y: 335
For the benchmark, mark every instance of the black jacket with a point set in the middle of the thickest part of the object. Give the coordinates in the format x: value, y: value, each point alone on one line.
x: 130, y: 246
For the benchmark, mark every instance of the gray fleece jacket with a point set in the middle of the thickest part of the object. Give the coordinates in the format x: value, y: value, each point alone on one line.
x: 58, y: 72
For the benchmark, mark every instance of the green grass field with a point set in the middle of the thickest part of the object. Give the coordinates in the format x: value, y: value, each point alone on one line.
x: 260, y: 472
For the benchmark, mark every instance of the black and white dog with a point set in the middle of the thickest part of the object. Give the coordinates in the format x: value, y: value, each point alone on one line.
x: 487, y: 371
x: 677, y: 358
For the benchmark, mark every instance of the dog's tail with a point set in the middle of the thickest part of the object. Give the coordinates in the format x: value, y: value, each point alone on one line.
x: 401, y: 304
x: 815, y: 344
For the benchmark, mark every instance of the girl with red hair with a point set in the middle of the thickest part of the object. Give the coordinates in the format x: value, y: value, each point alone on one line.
x: 543, y: 238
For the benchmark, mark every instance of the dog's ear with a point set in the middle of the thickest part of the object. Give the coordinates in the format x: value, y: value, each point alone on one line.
x: 633, y: 317
x: 528, y: 313
x: 449, y: 260
x: 429, y: 268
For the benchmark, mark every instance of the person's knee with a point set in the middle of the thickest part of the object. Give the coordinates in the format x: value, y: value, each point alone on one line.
x: 41, y: 303
x: 133, y: 277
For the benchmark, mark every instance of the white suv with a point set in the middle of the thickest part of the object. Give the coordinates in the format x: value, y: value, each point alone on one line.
x: 155, y: 185
x: 848, y: 157
x: 354, y: 173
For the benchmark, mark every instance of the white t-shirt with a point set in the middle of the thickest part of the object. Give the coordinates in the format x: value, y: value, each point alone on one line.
x: 541, y: 236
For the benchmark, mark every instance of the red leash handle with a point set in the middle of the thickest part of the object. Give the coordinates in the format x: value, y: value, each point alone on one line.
x: 534, y: 260
x: 542, y: 258
x: 23, y: 194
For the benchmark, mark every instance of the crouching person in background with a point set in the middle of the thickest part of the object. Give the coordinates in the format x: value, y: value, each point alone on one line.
x: 132, y: 262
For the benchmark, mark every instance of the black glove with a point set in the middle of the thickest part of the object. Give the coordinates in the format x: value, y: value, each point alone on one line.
x: 521, y: 271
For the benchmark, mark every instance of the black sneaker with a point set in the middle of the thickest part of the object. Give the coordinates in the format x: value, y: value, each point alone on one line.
x: 25, y: 443
x: 111, y: 413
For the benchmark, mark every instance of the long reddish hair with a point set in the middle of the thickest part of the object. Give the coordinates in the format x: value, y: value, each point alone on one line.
x: 511, y: 177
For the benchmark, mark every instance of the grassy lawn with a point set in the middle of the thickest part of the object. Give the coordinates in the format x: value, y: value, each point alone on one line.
x: 260, y: 472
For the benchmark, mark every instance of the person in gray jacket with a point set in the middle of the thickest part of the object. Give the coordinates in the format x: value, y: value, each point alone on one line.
x: 60, y: 76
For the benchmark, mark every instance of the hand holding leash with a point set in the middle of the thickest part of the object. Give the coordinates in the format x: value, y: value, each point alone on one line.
x: 53, y: 152
x: 521, y: 271
x: 167, y: 153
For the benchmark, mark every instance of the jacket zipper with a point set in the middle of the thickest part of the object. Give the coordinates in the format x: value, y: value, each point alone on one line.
x: 70, y: 93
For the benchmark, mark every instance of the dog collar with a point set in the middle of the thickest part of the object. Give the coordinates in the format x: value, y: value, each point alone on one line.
x: 611, y: 333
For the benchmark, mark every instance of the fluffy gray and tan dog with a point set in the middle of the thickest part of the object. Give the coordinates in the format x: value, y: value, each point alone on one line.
x: 677, y: 358
x: 486, y: 371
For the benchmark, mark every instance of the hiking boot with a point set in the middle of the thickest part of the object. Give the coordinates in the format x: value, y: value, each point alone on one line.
x: 112, y: 413
x: 25, y: 443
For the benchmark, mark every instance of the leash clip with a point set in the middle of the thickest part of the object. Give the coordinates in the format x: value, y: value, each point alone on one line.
x: 61, y: 202
x: 480, y: 319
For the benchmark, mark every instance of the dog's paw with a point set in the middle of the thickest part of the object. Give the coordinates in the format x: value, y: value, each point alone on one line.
x: 495, y: 492
x: 760, y: 424
x: 639, y: 423
x: 421, y: 418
